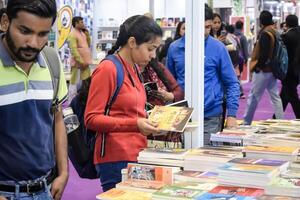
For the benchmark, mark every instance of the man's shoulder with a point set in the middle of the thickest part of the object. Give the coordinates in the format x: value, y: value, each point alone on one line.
x: 178, y: 43
x: 215, y: 43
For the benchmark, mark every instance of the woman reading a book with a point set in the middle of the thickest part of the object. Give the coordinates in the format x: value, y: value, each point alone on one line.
x: 122, y: 133
x: 168, y: 90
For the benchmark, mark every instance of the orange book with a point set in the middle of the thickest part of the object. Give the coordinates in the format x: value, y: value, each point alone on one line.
x: 151, y: 172
x: 118, y: 194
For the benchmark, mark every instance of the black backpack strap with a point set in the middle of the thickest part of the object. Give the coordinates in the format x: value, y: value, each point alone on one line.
x: 51, y: 57
x: 120, y: 79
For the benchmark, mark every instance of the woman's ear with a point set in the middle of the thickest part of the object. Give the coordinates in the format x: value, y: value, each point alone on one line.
x: 131, y: 42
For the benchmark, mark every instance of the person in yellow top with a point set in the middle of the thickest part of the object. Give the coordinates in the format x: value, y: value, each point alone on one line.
x: 81, y: 55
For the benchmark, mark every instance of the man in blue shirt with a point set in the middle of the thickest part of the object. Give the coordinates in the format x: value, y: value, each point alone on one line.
x: 175, y: 60
x: 219, y: 80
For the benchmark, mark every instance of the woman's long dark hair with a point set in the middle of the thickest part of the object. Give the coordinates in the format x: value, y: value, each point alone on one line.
x: 177, y: 33
x: 142, y: 28
x: 159, y: 71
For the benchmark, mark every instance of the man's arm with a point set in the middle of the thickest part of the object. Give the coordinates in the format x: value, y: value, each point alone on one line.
x: 244, y: 44
x: 170, y: 62
x: 61, y: 152
x: 231, y: 85
x: 74, y: 49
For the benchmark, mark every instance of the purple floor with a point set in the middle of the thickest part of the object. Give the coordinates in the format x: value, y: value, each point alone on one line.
x: 264, y: 109
x: 81, y: 189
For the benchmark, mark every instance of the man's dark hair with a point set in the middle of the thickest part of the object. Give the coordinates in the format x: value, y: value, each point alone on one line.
x: 265, y: 18
x: 41, y: 8
x: 208, y: 13
x: 229, y: 28
x: 75, y: 20
x: 239, y: 25
x: 282, y: 24
x: 291, y: 21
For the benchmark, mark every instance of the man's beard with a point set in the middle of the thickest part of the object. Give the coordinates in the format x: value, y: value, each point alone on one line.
x: 17, y: 52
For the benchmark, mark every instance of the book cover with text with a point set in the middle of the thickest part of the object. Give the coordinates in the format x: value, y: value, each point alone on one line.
x: 171, y: 118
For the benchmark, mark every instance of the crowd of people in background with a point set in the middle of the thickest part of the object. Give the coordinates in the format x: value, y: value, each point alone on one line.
x: 144, y: 59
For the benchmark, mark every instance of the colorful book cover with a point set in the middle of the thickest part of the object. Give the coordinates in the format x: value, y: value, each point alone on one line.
x: 212, y: 153
x: 208, y: 196
x: 171, y: 118
x: 150, y: 173
x: 241, y: 191
x: 117, y: 194
x: 196, y: 186
x: 273, y: 149
x: 177, y: 192
x: 254, y: 161
x: 164, y: 21
x: 153, y: 185
x: 209, y: 175
x: 258, y: 169
x: 177, y: 20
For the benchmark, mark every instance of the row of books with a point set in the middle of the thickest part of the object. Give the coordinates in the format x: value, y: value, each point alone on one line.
x: 161, y: 182
x: 260, y: 170
x: 155, y: 189
x: 265, y: 132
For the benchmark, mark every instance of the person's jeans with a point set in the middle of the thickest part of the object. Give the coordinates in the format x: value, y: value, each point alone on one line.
x: 41, y: 195
x: 260, y: 82
x: 211, y: 125
x: 110, y: 173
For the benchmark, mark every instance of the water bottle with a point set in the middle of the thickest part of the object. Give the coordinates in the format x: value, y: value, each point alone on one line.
x: 70, y: 119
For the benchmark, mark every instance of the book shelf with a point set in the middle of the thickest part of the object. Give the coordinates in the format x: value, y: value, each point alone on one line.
x: 106, y: 37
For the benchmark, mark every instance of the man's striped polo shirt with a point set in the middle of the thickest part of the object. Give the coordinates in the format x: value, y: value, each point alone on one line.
x: 26, y: 136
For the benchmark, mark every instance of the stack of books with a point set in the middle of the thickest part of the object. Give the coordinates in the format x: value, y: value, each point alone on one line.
x: 281, y: 164
x: 208, y: 159
x: 247, y: 175
x: 162, y: 156
x: 151, y: 172
x: 147, y: 178
x: 272, y: 152
x: 227, y: 138
x: 228, y: 192
x: 287, y: 186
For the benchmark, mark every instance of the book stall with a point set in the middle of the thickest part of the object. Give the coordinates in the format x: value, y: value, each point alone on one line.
x: 245, y: 163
